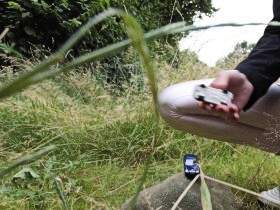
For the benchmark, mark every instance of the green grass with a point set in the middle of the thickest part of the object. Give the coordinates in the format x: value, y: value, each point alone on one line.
x: 104, y: 140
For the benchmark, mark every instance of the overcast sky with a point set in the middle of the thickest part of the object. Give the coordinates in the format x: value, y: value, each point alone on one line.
x: 215, y: 43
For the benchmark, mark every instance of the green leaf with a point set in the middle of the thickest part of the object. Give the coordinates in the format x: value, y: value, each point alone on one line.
x: 14, y: 5
x: 205, y: 194
x: 26, y: 173
x: 9, y: 50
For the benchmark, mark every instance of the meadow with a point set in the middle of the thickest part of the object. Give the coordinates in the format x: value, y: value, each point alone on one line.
x: 104, y: 136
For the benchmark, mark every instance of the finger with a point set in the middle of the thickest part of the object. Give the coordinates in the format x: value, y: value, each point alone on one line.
x: 202, y: 105
x: 222, y: 111
x: 229, y: 116
x: 208, y: 107
x: 223, y: 108
x: 219, y: 108
x: 234, y: 111
x: 233, y: 108
x: 236, y: 116
x: 211, y: 107
x: 232, y: 116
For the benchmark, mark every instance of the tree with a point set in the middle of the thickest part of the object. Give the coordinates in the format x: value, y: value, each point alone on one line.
x: 240, y: 52
x: 49, y: 23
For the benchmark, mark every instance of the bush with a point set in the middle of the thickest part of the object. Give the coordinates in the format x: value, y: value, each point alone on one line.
x: 49, y: 23
x: 240, y: 52
x: 46, y: 24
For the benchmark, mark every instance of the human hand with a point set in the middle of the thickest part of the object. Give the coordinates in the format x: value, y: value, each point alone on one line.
x: 239, y: 85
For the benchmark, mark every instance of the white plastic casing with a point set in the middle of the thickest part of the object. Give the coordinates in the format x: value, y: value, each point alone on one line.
x: 212, y: 95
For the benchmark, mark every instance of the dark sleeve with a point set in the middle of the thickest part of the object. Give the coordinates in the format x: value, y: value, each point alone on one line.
x: 262, y: 66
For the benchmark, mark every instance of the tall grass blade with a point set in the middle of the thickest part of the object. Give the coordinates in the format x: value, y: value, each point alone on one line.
x: 136, y: 34
x: 258, y: 195
x: 205, y: 194
x: 26, y: 159
x: 59, y: 190
x: 184, y: 193
x: 4, y: 33
x: 140, y: 185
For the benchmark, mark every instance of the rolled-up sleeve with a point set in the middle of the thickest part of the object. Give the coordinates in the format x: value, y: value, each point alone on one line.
x: 262, y: 66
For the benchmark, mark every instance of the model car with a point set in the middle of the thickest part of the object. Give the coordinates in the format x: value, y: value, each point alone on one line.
x: 191, y: 166
x: 212, y: 95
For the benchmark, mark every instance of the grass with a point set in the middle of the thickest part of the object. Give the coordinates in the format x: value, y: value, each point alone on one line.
x: 103, y: 134
x: 103, y: 143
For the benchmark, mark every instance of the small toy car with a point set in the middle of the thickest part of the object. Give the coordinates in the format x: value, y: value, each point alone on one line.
x: 212, y: 95
x: 191, y: 166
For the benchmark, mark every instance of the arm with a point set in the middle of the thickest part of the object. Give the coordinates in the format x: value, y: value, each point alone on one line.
x: 253, y: 76
x: 262, y: 66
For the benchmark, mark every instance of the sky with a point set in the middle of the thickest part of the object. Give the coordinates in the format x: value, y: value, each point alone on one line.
x: 215, y: 43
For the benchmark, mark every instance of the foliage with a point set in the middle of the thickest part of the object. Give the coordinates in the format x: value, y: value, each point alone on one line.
x: 46, y: 24
x: 49, y: 23
x: 9, y: 50
x: 39, y: 72
x: 103, y: 140
x: 241, y: 50
x: 45, y: 69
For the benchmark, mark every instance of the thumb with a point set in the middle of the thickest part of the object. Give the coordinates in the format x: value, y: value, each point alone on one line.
x: 221, y: 81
